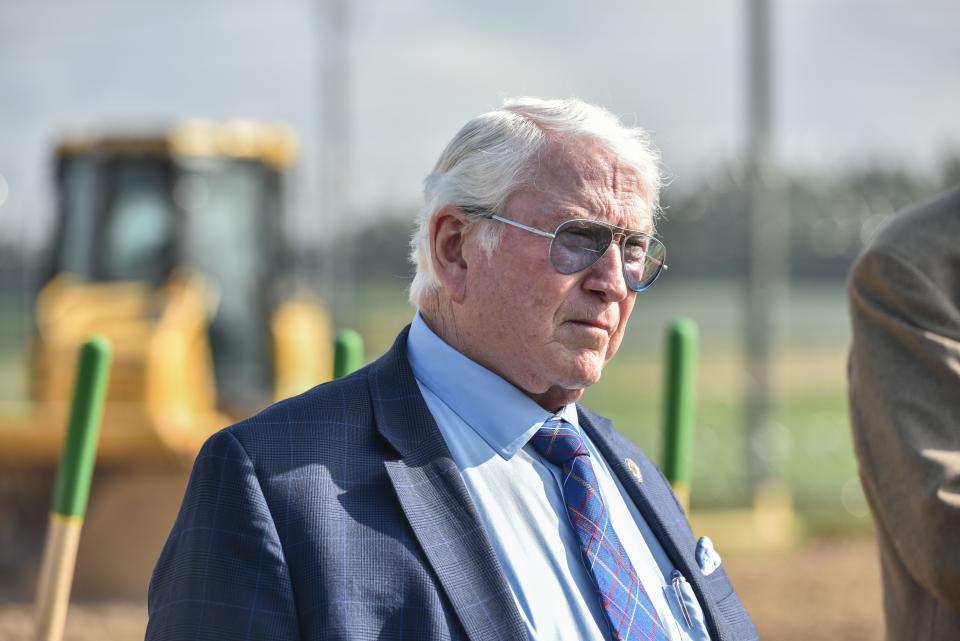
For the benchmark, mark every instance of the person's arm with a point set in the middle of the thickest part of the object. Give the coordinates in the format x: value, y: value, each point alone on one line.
x: 222, y: 573
x: 905, y: 411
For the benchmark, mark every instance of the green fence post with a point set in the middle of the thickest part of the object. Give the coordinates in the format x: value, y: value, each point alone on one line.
x: 347, y: 353
x: 72, y: 489
x: 680, y: 406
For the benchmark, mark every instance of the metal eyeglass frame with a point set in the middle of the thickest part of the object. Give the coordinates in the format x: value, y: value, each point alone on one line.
x: 620, y: 232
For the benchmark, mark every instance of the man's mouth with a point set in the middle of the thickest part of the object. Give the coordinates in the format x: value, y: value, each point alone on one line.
x: 596, y: 324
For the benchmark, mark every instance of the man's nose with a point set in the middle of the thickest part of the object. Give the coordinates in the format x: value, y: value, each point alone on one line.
x: 605, y: 277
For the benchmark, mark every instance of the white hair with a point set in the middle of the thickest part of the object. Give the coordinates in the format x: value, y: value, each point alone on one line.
x: 492, y: 156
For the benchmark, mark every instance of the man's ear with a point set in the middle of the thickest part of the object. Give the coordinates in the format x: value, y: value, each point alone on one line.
x: 447, y: 238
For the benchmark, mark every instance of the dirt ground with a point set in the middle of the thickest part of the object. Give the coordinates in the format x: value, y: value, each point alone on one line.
x: 825, y: 590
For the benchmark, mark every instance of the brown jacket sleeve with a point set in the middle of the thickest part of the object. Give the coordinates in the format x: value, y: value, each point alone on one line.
x: 905, y: 412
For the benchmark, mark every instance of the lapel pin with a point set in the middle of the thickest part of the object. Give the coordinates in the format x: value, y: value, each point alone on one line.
x: 634, y: 469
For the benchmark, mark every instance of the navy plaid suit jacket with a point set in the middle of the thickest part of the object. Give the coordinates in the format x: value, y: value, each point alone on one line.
x: 340, y: 514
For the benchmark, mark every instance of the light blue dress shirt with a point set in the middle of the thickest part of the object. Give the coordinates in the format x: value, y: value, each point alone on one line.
x: 487, y: 424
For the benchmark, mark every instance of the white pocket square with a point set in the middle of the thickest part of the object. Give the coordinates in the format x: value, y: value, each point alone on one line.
x: 707, y: 556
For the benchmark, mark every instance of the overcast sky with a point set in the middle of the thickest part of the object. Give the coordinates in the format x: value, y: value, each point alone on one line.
x: 856, y: 82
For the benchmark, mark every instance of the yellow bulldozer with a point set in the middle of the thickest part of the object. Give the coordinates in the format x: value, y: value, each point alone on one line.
x: 171, y: 246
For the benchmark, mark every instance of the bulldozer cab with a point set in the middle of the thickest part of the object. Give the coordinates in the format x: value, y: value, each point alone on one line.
x: 207, y: 199
x: 171, y: 247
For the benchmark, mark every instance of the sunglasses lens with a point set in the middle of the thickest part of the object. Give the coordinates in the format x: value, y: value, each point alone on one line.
x: 579, y: 244
x: 643, y: 259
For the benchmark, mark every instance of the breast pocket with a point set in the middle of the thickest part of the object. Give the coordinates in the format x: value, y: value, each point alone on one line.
x: 686, y: 609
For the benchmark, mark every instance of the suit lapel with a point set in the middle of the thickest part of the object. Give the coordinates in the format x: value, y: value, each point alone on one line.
x: 437, y: 504
x: 656, y: 503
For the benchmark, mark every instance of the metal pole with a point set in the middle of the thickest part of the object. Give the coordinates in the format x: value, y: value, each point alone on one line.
x: 334, y: 147
x: 768, y: 251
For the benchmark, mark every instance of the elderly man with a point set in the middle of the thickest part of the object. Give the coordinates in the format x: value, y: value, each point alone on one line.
x: 454, y: 489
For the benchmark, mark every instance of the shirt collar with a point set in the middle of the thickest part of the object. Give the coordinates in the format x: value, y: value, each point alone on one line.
x: 502, y: 415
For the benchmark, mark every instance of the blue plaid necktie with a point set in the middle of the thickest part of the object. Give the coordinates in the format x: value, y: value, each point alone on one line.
x: 623, y: 598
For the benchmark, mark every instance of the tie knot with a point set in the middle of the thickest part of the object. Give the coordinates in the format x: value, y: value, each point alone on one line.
x: 559, y: 442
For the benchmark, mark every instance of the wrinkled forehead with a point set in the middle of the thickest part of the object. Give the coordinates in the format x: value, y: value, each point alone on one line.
x: 605, y: 186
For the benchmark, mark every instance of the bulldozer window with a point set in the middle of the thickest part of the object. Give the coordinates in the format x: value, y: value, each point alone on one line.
x: 228, y: 238
x: 138, y: 226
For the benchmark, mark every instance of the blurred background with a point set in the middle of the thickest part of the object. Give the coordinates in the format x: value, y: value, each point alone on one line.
x: 278, y: 150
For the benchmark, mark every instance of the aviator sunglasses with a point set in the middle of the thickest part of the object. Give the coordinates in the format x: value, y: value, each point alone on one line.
x: 577, y: 244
